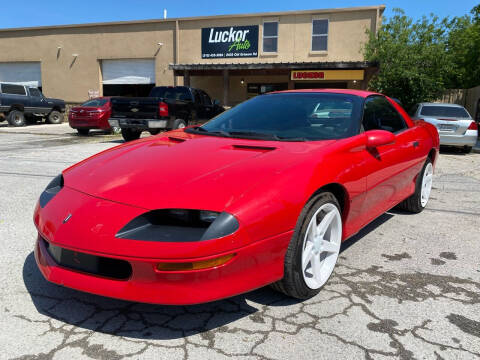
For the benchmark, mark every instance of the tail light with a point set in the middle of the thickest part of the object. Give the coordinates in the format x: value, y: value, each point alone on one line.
x: 163, y: 109
x: 473, y: 126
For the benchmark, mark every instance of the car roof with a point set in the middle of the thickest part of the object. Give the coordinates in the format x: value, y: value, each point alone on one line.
x: 361, y: 93
x: 442, y: 104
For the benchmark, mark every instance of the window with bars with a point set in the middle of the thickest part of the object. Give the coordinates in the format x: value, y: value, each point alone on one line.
x: 320, y: 35
x: 270, y: 36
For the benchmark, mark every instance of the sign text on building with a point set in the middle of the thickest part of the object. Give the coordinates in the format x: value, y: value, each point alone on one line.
x: 230, y: 42
x: 327, y: 75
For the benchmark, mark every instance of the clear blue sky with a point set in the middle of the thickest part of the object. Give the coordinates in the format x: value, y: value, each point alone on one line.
x: 24, y: 13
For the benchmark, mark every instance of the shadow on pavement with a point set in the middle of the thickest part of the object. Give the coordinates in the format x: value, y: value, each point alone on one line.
x: 147, y: 321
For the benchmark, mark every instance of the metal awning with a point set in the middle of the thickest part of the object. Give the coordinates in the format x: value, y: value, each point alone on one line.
x: 180, y: 68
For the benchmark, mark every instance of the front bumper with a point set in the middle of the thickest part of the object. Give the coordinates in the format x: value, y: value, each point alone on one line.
x: 253, y: 266
x: 468, y: 139
x: 91, y: 231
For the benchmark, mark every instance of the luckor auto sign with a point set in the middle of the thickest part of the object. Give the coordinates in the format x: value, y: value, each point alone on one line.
x: 230, y: 42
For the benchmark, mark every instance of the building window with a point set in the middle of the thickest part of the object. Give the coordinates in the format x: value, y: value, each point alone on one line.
x: 319, y: 35
x: 270, y: 36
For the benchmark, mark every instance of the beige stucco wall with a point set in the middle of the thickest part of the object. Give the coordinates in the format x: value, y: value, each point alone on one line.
x: 68, y: 78
x: 347, y: 34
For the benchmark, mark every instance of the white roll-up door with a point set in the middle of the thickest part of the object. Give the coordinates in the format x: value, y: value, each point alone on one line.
x: 128, y: 71
x: 21, y: 73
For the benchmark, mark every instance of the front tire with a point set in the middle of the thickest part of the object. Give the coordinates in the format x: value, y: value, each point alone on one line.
x: 314, y: 248
x: 130, y: 134
x: 16, y: 118
x: 467, y: 149
x: 423, y: 186
x: 83, y: 132
x: 55, y: 117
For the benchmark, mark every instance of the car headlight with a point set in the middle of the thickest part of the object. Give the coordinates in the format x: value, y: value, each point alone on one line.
x: 51, y: 190
x: 179, y: 225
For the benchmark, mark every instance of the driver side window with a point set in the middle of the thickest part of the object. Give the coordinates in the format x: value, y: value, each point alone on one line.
x: 379, y: 114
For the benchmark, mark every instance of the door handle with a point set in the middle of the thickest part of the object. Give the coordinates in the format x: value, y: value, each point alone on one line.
x: 415, y: 144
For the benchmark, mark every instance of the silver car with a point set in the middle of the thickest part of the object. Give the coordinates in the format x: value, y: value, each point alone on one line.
x: 454, y: 124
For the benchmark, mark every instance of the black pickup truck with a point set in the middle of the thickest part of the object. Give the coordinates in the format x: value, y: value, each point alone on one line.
x: 166, y: 108
x: 19, y: 102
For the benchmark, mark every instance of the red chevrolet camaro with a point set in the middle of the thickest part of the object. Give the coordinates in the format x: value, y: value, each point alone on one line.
x: 262, y: 194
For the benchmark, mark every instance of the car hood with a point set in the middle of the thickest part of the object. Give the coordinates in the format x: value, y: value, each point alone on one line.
x: 181, y: 170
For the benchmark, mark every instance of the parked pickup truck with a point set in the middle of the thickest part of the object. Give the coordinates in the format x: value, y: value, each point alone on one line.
x: 166, y: 108
x: 19, y: 103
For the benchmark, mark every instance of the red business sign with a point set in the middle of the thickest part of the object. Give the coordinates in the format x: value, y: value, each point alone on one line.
x: 308, y: 75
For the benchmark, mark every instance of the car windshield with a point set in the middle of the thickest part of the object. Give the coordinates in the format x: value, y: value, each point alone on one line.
x: 446, y: 111
x: 290, y: 117
x: 95, y: 102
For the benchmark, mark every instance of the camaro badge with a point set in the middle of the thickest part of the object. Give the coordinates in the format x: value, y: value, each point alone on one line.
x: 67, y: 218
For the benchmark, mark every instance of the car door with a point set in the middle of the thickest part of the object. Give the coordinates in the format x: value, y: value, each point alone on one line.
x: 207, y: 105
x: 198, y: 105
x: 37, y: 104
x: 389, y: 168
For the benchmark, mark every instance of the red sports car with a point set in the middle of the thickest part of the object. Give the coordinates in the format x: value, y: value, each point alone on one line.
x: 262, y: 194
x: 93, y: 114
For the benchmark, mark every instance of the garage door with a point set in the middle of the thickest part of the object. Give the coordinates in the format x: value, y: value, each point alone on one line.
x: 22, y: 73
x: 128, y: 71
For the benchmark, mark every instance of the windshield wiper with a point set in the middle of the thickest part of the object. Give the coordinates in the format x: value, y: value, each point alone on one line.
x: 216, y: 132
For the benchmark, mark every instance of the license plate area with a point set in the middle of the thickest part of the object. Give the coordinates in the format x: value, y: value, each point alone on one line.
x: 91, y: 264
x: 446, y: 127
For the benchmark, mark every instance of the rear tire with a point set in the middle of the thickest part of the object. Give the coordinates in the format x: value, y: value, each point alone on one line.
x: 418, y: 201
x: 55, y: 117
x: 130, y: 134
x: 314, y: 248
x: 179, y: 124
x: 83, y: 132
x: 16, y: 118
x: 467, y: 149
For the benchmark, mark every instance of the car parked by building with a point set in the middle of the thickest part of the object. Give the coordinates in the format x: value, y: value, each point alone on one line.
x: 19, y: 103
x: 455, y: 125
x: 93, y: 114
x: 166, y: 108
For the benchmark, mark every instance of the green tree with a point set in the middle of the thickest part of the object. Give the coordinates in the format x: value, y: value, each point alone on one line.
x: 412, y: 58
x: 463, y: 48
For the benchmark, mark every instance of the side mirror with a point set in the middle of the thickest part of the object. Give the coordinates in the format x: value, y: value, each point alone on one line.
x: 216, y: 102
x: 376, y: 138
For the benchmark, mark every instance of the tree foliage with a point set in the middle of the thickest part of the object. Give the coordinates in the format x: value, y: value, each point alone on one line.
x: 463, y: 48
x: 412, y: 57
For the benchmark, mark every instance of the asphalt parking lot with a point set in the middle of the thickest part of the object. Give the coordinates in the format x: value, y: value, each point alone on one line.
x: 407, y: 286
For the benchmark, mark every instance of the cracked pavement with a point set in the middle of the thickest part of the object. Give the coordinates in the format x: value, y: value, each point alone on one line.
x: 406, y: 287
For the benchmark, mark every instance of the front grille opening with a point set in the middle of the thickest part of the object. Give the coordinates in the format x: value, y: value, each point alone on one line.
x: 91, y: 264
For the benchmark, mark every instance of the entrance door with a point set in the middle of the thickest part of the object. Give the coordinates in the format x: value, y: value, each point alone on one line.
x: 128, y: 77
x: 391, y: 169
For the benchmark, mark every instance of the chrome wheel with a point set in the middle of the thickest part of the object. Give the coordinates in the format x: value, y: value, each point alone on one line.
x: 426, y: 184
x: 321, y: 245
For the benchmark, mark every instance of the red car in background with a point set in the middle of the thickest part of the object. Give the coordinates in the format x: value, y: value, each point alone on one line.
x: 93, y: 114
